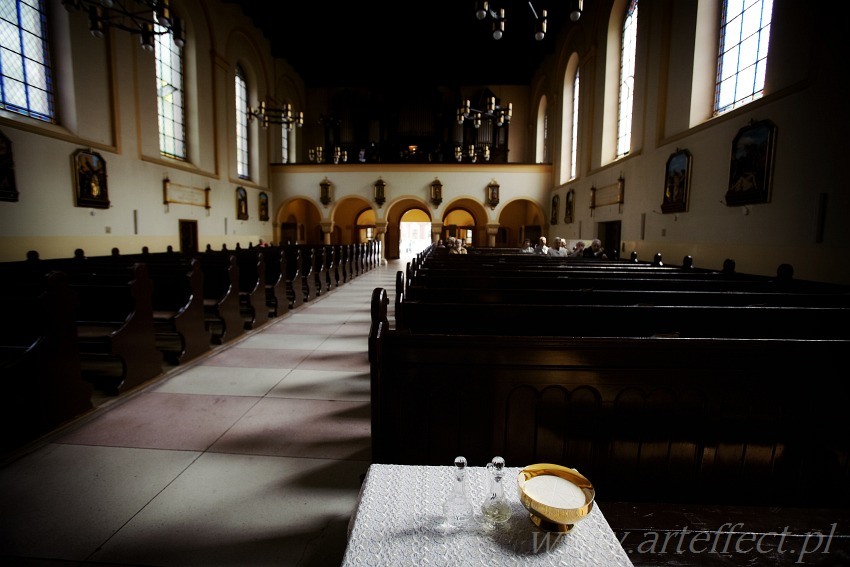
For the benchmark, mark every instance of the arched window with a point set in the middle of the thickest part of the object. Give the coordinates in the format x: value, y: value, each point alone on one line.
x: 627, y: 79
x: 242, y: 169
x: 742, y: 58
x: 574, y: 132
x: 170, y: 96
x: 26, y: 84
x: 569, y: 124
x: 284, y: 144
x: 541, y: 152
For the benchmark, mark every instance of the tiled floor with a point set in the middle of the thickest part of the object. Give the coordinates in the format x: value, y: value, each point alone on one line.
x: 252, y: 456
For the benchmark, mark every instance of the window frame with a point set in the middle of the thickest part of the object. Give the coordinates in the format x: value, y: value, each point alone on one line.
x: 28, y: 63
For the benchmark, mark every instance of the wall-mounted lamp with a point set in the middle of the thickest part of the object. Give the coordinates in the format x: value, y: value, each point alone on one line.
x: 436, y: 192
x: 325, y: 191
x: 147, y: 18
x: 380, y: 196
x: 493, y: 194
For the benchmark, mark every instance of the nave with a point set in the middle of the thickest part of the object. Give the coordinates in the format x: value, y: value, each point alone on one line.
x: 252, y: 455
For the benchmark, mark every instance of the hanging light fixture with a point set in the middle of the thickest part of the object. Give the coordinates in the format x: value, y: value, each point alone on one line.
x: 270, y: 115
x: 499, y: 114
x: 576, y: 7
x: 483, y: 10
x: 147, y: 18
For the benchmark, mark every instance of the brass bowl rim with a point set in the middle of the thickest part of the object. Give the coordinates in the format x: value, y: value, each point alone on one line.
x: 537, y: 508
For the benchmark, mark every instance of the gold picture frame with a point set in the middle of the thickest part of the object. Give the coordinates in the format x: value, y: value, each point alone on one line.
x: 677, y: 182
x: 751, y: 166
x: 90, y: 180
x: 241, y: 204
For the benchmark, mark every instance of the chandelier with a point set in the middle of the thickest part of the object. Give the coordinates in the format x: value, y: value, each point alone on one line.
x: 487, y: 9
x: 148, y: 18
x: 501, y: 115
x: 270, y: 115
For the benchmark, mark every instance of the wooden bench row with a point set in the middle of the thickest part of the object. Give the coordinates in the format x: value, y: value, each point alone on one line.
x: 39, y: 358
x: 111, y: 322
x: 699, y: 420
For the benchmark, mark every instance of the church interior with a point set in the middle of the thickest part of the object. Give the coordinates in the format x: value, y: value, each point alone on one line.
x: 226, y: 294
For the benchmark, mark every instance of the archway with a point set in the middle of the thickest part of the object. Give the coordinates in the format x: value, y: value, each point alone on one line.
x: 414, y: 233
x: 467, y: 219
x: 518, y: 220
x: 398, y: 210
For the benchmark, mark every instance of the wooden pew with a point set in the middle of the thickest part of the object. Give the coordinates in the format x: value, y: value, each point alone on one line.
x: 252, y: 288
x: 178, y: 303
x: 222, y: 308
x: 332, y: 262
x: 294, y: 271
x: 685, y: 321
x: 308, y: 276
x: 39, y: 357
x: 320, y: 269
x: 343, y: 263
x: 115, y: 328
x: 717, y: 420
x: 275, y: 287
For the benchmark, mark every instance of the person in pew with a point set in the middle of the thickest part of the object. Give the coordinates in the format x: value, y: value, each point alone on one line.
x: 541, y: 247
x: 458, y: 247
x: 527, y: 248
x: 578, y: 249
x: 558, y: 249
x: 595, y: 250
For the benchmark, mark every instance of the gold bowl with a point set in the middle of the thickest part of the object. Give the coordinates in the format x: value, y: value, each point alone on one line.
x: 556, y: 497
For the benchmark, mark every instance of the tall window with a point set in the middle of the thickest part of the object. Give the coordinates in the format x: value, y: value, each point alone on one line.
x: 742, y: 61
x: 574, y: 132
x: 284, y: 144
x: 242, y: 169
x: 169, y: 96
x: 627, y: 79
x: 26, y: 84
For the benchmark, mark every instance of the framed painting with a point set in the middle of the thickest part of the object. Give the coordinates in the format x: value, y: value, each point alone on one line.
x: 569, y: 208
x: 241, y: 203
x: 752, y: 164
x: 677, y: 182
x: 264, y: 206
x: 89, y: 170
x: 556, y: 204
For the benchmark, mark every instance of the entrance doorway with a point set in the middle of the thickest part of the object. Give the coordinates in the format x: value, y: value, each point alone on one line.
x: 414, y: 233
x: 188, y: 236
x: 609, y: 233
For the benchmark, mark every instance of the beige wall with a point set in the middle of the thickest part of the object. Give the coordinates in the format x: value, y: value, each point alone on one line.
x: 108, y: 105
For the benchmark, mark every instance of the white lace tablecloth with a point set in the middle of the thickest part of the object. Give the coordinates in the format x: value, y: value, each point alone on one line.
x: 399, y: 521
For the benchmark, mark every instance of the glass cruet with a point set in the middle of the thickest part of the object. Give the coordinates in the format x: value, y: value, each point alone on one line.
x: 458, y: 508
x: 496, y: 508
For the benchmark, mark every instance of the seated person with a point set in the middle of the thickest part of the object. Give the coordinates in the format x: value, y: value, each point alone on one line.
x: 458, y: 247
x: 558, y: 248
x: 541, y: 247
x: 527, y: 248
x: 578, y: 250
x: 595, y: 250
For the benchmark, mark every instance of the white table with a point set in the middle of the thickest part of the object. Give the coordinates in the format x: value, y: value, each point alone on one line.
x: 399, y: 521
